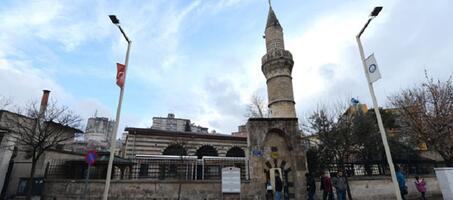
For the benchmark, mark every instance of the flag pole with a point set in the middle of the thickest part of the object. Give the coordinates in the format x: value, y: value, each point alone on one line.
x: 117, y: 121
x: 379, y: 119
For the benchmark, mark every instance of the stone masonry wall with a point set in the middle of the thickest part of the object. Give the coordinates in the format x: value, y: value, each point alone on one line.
x: 367, y: 189
x: 141, y: 189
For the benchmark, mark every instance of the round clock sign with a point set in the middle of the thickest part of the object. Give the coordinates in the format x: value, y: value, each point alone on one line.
x: 372, y: 68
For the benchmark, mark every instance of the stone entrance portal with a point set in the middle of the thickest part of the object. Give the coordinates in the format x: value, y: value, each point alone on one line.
x: 276, y: 146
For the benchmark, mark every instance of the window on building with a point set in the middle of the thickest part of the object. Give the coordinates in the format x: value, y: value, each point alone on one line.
x: 171, y: 170
x: 209, y: 171
x: 143, y: 170
x: 37, y: 186
x: 22, y: 187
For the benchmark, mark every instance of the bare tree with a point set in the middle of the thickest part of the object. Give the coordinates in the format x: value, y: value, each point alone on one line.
x: 257, y: 108
x: 35, y: 131
x: 427, y: 115
x: 4, y: 102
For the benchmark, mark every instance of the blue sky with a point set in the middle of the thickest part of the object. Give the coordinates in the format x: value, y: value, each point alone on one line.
x: 202, y: 59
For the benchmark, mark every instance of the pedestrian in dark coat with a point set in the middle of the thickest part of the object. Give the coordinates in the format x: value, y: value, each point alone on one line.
x: 340, y: 185
x: 278, y: 187
x: 401, y: 182
x: 311, y: 186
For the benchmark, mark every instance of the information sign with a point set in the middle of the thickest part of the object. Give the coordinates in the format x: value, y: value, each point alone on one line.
x: 231, y: 180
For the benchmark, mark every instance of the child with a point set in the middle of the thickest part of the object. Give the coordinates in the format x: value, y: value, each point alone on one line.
x: 421, y: 186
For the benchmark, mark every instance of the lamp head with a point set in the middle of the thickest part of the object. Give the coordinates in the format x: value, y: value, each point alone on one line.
x: 114, y: 19
x: 376, y: 11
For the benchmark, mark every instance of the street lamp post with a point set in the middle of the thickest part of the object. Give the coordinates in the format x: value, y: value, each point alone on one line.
x: 118, y: 112
x: 373, y: 14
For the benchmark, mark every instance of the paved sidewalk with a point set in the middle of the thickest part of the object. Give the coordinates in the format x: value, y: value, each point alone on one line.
x: 428, y: 198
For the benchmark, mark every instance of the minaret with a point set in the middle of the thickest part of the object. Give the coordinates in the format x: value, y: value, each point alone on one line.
x: 277, y: 65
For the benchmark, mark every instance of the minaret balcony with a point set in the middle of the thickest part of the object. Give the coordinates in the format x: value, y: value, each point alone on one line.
x: 276, y: 54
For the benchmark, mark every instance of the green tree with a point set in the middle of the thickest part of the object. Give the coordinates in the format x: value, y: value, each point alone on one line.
x: 336, y: 139
x: 369, y: 143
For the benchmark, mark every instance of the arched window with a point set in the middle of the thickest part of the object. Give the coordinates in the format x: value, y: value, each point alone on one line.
x: 206, y: 150
x: 209, y: 171
x: 235, y: 152
x: 175, y: 150
x: 172, y: 170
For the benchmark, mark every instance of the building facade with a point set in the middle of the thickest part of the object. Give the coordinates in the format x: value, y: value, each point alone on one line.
x: 170, y: 132
x: 148, y: 141
x: 170, y: 123
x: 15, y: 163
x: 98, y: 131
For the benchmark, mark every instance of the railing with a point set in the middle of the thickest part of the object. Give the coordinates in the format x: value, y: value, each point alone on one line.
x: 212, y: 166
x: 165, y: 167
x: 153, y: 167
x: 382, y: 169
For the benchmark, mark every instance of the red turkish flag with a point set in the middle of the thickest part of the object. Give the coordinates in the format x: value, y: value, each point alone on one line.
x: 120, y: 74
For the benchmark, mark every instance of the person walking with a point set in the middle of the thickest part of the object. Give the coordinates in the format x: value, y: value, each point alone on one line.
x: 278, y: 187
x: 401, y: 182
x: 311, y: 186
x: 326, y: 187
x: 420, y: 184
x: 340, y: 185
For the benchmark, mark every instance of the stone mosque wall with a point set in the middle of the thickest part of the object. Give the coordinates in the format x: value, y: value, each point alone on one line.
x: 378, y: 188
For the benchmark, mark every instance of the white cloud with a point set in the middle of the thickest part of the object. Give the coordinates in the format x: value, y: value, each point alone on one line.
x: 212, y: 87
x: 89, y: 107
x: 24, y: 83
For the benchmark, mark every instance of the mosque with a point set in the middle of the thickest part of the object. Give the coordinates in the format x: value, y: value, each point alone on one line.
x: 268, y: 146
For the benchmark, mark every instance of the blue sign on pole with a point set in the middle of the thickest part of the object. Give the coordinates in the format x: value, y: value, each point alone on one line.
x: 90, y: 157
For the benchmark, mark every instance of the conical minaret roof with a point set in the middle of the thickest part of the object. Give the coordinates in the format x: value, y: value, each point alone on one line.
x: 272, y: 19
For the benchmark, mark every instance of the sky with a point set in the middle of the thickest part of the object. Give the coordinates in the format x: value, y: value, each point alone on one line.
x: 201, y: 59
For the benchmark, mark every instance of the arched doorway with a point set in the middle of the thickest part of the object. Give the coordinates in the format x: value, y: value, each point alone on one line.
x: 278, y: 160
